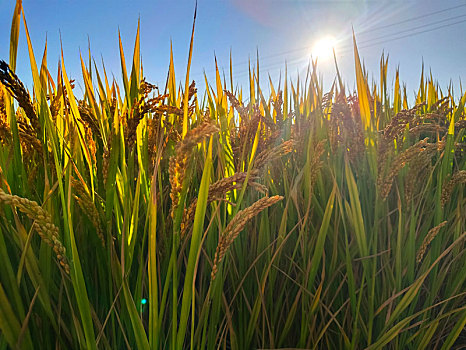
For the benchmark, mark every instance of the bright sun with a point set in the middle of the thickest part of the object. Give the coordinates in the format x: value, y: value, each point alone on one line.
x: 323, y: 48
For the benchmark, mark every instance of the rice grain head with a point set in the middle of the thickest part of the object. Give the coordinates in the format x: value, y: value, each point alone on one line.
x: 384, y: 183
x: 5, y: 132
x: 427, y: 240
x: 269, y: 155
x: 458, y: 178
x: 88, y: 207
x: 16, y: 88
x: 42, y: 224
x: 178, y: 163
x: 236, y: 225
x: 218, y: 190
x: 418, y: 170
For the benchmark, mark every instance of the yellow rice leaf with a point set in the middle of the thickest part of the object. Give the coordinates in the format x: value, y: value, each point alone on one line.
x: 15, y: 34
x: 34, y: 71
x: 219, y: 86
x: 79, y: 125
x: 421, y: 93
x: 397, y: 94
x: 455, y: 116
x: 340, y: 81
x: 405, y: 98
x: 135, y: 70
x: 123, y: 68
x: 252, y: 96
x: 285, y: 95
x: 43, y: 69
x: 432, y: 95
x: 171, y: 80
x: 363, y: 94
x: 107, y: 86
x: 186, y: 86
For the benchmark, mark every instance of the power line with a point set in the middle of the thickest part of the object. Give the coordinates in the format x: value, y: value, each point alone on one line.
x: 297, y: 61
x: 418, y: 17
x: 415, y: 28
x: 370, y: 43
x: 304, y: 48
x: 416, y: 33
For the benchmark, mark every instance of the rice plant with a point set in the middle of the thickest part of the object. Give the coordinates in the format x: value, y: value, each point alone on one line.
x: 145, y: 217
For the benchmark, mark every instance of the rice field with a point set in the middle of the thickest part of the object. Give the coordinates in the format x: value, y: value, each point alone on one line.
x: 153, y: 217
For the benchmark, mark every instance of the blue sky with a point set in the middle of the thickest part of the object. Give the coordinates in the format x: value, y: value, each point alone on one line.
x: 411, y: 32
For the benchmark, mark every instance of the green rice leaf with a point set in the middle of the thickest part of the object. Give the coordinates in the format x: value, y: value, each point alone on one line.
x: 198, y: 229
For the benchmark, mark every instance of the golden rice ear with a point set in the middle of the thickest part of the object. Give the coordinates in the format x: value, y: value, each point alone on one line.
x: 16, y: 88
x: 218, y: 190
x: 88, y: 207
x: 176, y: 172
x: 398, y: 123
x: 196, y: 135
x: 236, y: 225
x: 269, y: 155
x: 427, y: 240
x: 191, y: 93
x: 238, y: 106
x: 458, y: 178
x: 178, y: 163
x: 88, y: 118
x: 418, y: 169
x: 42, y: 224
x: 384, y: 183
x: 5, y: 131
x: 106, y: 161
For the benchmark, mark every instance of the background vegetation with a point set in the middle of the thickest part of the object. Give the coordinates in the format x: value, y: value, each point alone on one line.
x: 141, y: 217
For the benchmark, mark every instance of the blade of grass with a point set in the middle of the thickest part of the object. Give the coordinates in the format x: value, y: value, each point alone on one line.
x: 198, y: 228
x: 363, y: 93
x: 186, y: 85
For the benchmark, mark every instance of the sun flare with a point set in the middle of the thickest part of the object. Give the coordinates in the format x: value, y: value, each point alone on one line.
x: 323, y: 48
